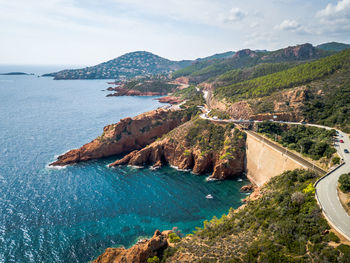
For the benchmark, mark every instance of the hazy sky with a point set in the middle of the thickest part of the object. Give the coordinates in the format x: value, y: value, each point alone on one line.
x: 86, y: 32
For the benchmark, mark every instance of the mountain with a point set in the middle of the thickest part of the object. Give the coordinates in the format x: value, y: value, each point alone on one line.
x: 202, y: 71
x: 333, y: 46
x: 139, y: 63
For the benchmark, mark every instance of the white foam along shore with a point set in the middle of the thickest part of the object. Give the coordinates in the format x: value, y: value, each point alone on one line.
x: 180, y: 170
x: 136, y: 166
x: 55, y: 167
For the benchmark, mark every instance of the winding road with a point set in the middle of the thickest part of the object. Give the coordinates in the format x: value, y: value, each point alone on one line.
x: 326, y: 187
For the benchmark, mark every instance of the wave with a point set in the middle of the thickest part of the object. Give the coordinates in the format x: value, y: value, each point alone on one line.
x: 55, y: 167
x: 180, y: 170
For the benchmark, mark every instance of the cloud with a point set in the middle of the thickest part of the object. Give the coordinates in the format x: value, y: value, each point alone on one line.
x: 335, y: 18
x: 339, y: 11
x: 289, y: 25
x: 235, y: 14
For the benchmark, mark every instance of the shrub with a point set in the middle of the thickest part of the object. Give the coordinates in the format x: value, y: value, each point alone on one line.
x: 344, y: 182
x: 173, y: 238
x: 336, y: 160
x: 309, y: 189
x: 155, y: 259
x: 298, y: 198
x: 333, y: 237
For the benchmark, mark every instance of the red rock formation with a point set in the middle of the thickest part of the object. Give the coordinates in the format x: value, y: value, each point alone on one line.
x: 175, y: 151
x: 247, y: 188
x: 170, y: 100
x: 127, y: 135
x: 139, y: 253
x: 245, y: 53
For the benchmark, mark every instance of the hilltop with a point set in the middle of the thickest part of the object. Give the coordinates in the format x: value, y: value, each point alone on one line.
x: 333, y: 46
x: 139, y: 63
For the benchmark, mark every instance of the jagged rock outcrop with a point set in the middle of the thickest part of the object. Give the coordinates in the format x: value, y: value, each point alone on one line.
x: 299, y: 52
x: 200, y: 146
x: 245, y: 53
x: 127, y: 135
x: 139, y: 253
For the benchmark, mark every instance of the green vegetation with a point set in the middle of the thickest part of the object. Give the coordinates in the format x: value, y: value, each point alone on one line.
x: 220, y: 114
x: 331, y: 108
x: 193, y: 96
x: 240, y: 75
x: 285, y: 225
x: 302, y: 74
x: 209, y: 136
x: 150, y: 85
x: 333, y: 46
x: 155, y: 259
x: 310, y: 141
x: 174, y: 238
x: 335, y: 160
x: 344, y: 183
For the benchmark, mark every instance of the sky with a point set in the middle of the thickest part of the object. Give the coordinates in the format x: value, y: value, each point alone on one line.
x: 87, y: 32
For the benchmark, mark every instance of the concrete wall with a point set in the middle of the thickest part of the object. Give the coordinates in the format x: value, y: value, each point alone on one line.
x: 264, y: 161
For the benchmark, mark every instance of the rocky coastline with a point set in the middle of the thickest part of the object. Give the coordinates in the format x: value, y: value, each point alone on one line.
x: 222, y: 161
x: 140, y: 252
x: 127, y: 135
x: 120, y: 91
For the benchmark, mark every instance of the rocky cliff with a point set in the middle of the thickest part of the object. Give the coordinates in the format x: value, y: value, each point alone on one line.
x: 139, y: 253
x: 127, y: 135
x: 197, y: 145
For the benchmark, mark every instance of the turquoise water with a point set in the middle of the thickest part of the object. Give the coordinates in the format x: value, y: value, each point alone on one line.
x: 73, y: 214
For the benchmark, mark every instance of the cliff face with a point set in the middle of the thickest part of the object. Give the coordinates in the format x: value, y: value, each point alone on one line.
x: 286, y: 105
x: 200, y: 146
x: 139, y: 253
x: 127, y: 135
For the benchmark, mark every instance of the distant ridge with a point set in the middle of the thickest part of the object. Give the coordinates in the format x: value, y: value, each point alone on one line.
x: 333, y: 46
x: 204, y: 70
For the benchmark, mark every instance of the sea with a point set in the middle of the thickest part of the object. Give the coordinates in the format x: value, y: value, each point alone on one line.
x: 73, y: 214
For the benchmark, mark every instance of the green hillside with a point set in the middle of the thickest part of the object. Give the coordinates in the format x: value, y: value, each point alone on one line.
x: 240, y: 75
x: 302, y: 74
x: 333, y: 46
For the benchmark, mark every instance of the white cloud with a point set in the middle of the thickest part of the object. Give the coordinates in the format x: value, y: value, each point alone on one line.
x: 288, y: 25
x: 335, y: 18
x: 340, y: 10
x: 235, y: 14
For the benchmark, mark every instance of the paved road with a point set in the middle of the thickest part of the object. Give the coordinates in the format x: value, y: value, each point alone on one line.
x: 326, y: 192
x: 326, y: 188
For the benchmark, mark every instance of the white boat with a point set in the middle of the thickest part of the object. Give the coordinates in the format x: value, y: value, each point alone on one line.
x: 209, y: 196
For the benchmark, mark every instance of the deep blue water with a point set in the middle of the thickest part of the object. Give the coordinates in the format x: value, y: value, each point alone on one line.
x: 73, y: 214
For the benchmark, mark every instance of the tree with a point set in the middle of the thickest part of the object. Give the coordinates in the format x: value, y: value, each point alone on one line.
x: 344, y: 182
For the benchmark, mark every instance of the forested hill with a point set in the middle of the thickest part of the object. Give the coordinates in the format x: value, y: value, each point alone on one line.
x: 204, y: 70
x: 333, y: 46
x: 140, y: 63
x: 301, y: 74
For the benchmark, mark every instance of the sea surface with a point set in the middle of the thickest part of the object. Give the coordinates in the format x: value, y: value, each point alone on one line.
x: 73, y: 214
